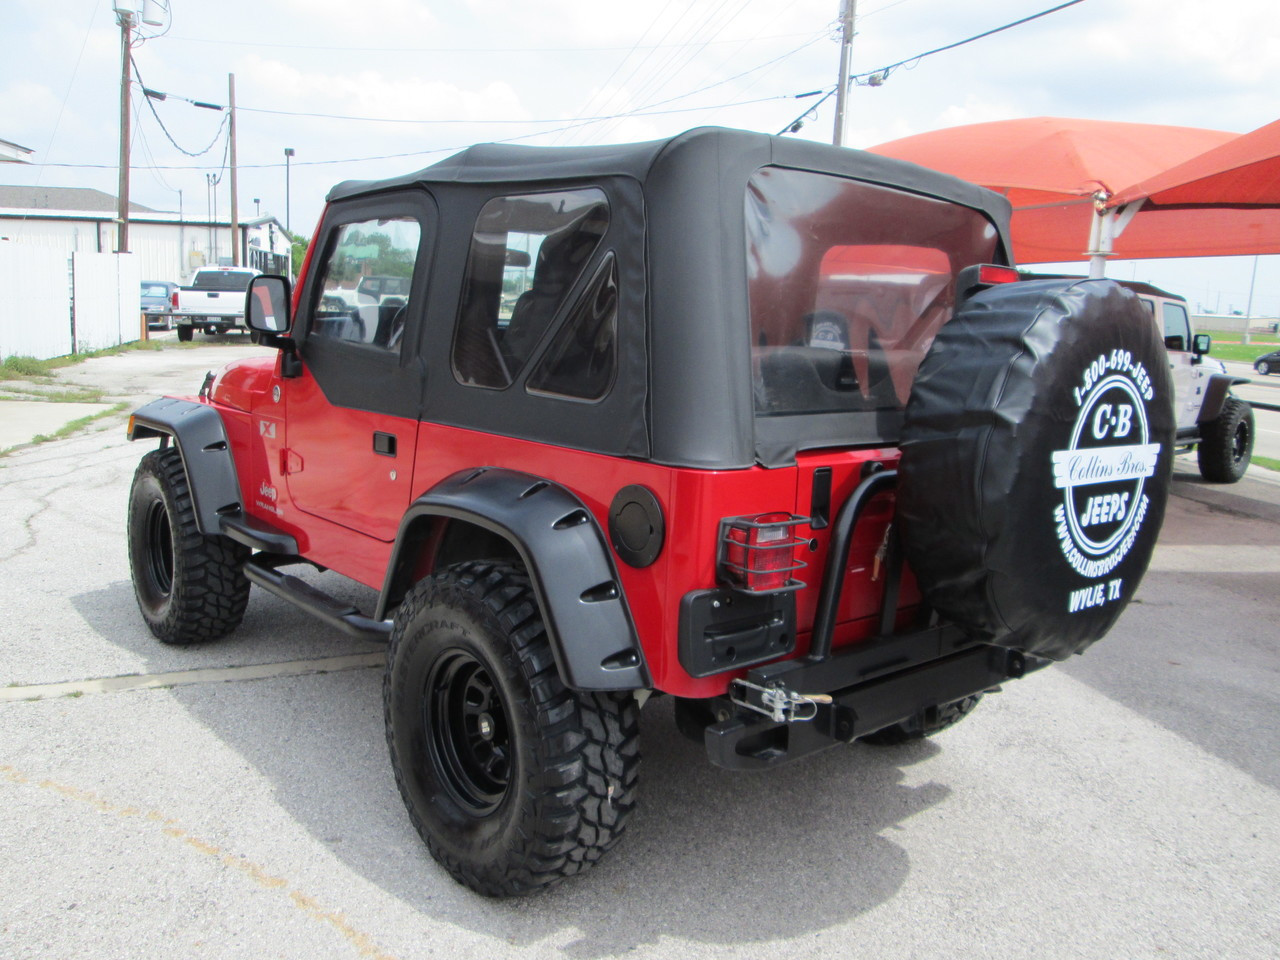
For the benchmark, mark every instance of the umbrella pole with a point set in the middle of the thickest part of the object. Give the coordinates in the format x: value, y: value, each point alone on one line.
x: 1106, y: 227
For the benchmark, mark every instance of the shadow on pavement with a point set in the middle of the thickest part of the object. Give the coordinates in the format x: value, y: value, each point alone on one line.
x: 710, y: 856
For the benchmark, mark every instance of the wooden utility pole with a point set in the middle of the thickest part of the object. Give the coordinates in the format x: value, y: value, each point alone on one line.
x: 235, y: 208
x: 849, y: 10
x: 125, y: 20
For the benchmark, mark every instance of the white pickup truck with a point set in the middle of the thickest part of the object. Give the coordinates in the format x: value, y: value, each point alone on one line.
x: 214, y: 302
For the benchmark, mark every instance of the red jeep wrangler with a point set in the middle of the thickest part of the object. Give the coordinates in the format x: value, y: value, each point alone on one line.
x: 762, y: 425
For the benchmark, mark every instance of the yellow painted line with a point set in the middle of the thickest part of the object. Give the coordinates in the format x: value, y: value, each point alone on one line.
x: 256, y: 671
x: 363, y: 945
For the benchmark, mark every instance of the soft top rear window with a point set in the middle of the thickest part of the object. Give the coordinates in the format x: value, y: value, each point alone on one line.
x: 848, y: 283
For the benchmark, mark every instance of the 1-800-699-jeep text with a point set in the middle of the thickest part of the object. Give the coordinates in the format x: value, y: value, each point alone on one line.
x: 768, y: 427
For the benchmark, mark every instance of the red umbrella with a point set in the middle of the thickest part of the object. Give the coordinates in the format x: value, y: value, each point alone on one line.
x: 1244, y: 171
x: 1054, y: 170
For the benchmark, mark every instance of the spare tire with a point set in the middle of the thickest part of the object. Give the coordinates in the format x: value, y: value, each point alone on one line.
x: 1036, y: 458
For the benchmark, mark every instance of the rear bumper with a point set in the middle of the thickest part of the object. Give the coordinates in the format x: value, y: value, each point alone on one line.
x: 870, y: 686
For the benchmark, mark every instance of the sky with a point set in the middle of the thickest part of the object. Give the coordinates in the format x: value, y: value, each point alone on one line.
x: 364, y: 91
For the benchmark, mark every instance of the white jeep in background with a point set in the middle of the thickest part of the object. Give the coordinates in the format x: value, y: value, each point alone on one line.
x: 1212, y: 420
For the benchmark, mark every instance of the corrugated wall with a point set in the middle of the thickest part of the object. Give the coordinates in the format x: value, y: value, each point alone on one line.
x: 35, y: 302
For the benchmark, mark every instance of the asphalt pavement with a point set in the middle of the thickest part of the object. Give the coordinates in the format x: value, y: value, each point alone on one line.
x: 234, y: 800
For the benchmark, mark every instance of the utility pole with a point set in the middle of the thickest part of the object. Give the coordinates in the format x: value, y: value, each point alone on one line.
x: 235, y: 207
x: 849, y: 10
x: 1248, y: 310
x: 124, y: 17
x: 288, y: 228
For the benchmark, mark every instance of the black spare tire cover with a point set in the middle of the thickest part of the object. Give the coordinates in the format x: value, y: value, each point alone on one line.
x: 1036, y: 456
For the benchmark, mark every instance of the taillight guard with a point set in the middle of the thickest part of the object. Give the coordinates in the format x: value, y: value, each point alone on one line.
x: 758, y: 553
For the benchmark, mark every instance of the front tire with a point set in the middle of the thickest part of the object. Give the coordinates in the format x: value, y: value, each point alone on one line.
x: 513, y: 781
x: 190, y: 587
x: 1226, y: 443
x: 1264, y: 367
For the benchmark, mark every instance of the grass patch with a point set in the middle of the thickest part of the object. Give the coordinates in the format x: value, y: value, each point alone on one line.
x: 29, y: 368
x: 69, y: 395
x: 1268, y: 463
x: 79, y: 424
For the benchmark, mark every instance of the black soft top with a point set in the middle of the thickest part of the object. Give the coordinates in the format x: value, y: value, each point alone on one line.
x: 511, y: 163
x: 684, y: 391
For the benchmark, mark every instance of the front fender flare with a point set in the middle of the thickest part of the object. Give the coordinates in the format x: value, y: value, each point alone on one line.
x: 1215, y: 395
x: 201, y: 438
x: 588, y: 622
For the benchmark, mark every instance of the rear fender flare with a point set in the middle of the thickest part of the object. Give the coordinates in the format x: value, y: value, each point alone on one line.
x: 587, y: 619
x: 200, y: 435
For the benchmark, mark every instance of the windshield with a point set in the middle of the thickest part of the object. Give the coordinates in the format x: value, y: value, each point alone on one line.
x: 848, y: 283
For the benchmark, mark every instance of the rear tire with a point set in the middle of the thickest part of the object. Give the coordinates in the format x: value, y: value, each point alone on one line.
x: 513, y: 781
x: 1226, y: 444
x: 934, y: 720
x: 1264, y: 368
x: 190, y: 587
x: 184, y: 333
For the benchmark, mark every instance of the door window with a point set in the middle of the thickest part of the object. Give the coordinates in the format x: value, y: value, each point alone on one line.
x: 1176, y: 323
x: 365, y: 281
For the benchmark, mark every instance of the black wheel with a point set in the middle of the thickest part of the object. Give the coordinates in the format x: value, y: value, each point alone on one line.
x: 1263, y: 367
x: 1226, y: 444
x: 190, y: 587
x: 185, y: 332
x: 513, y: 781
x: 930, y: 722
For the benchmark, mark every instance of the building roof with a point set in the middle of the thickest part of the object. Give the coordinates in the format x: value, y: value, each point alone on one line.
x: 14, y: 152
x: 62, y: 199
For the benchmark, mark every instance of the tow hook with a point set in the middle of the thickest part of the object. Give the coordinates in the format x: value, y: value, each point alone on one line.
x: 777, y: 702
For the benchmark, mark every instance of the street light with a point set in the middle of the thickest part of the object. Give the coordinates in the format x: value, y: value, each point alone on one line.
x: 288, y: 153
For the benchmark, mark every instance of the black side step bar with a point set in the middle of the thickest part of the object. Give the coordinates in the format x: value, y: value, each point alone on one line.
x: 344, y: 617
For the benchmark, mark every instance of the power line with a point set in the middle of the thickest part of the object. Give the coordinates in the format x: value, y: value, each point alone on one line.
x: 878, y: 76
x: 468, y: 50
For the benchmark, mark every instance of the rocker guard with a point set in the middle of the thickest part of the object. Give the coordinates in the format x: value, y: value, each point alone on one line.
x: 871, y: 686
x: 586, y: 615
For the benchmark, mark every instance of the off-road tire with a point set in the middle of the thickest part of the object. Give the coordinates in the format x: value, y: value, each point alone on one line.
x: 932, y: 721
x: 513, y: 781
x: 185, y: 333
x: 190, y: 587
x: 1226, y: 444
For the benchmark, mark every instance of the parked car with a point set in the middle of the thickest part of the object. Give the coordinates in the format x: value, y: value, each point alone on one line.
x: 1268, y: 363
x: 214, y: 302
x: 157, y: 303
x: 774, y: 429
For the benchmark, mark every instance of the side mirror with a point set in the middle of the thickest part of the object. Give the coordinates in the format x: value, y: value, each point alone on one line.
x: 267, y: 307
x: 1201, y: 344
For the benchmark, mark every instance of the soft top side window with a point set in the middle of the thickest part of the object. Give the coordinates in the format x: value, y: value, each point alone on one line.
x: 527, y: 254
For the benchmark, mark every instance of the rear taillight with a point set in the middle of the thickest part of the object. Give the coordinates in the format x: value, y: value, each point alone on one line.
x: 989, y: 273
x: 173, y: 299
x: 758, y: 554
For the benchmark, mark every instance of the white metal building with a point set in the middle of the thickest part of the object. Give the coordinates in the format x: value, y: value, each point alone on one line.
x: 167, y: 245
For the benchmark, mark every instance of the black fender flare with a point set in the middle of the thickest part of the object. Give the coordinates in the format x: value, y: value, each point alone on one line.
x: 588, y: 622
x: 200, y: 435
x: 1215, y: 395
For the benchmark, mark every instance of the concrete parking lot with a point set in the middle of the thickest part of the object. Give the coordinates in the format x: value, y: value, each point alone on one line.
x: 234, y: 800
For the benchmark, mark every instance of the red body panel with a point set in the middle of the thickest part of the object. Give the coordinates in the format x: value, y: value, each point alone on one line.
x: 363, y: 505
